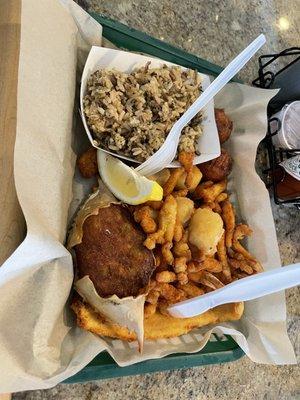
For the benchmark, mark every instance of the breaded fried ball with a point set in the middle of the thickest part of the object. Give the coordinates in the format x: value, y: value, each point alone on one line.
x: 216, y: 170
x: 224, y: 125
x: 87, y: 163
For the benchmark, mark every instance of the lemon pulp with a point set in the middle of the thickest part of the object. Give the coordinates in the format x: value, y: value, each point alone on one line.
x: 120, y: 179
x: 125, y: 183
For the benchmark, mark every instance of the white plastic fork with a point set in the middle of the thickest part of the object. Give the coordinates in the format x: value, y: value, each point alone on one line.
x: 249, y: 288
x: 165, y: 155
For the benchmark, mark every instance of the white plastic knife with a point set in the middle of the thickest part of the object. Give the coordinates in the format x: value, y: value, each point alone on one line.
x: 249, y: 288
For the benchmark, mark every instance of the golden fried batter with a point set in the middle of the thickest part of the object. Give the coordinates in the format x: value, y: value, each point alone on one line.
x: 112, y: 253
x: 156, y: 325
x: 224, y: 125
x: 87, y: 163
x: 217, y: 169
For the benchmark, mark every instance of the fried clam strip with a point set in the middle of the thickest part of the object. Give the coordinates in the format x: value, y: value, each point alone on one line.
x: 169, y: 186
x: 170, y: 293
x: 191, y: 290
x: 165, y: 276
x: 186, y: 160
x: 193, y: 181
x: 155, y: 205
x: 145, y: 217
x: 222, y: 256
x: 166, y: 225
x: 209, y: 191
x: 235, y: 258
x: 208, y: 264
x: 221, y: 197
x: 213, y: 205
x: 243, y: 265
x: 181, y: 249
x: 167, y: 253
x: 180, y: 267
x: 229, y: 221
x: 240, y: 232
x: 206, y: 279
x: 178, y: 230
x: 180, y: 193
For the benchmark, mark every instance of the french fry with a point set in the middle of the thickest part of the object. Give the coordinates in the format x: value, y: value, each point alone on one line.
x: 169, y: 186
x: 229, y: 221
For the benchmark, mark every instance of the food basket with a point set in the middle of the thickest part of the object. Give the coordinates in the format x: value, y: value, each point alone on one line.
x: 219, y: 349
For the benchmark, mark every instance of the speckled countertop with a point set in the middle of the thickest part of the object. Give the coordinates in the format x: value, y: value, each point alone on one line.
x: 215, y: 30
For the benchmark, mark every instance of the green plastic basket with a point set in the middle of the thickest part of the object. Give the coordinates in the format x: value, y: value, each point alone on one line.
x: 219, y: 349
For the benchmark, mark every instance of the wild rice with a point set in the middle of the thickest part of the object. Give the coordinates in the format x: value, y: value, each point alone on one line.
x: 131, y: 114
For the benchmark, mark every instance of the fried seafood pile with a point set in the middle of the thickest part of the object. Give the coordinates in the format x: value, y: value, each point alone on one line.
x: 192, y: 232
x: 194, y: 236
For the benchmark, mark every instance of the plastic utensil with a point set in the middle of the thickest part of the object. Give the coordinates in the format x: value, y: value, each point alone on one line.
x: 249, y: 288
x: 163, y: 157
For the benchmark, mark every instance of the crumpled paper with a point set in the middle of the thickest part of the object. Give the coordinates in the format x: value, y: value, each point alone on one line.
x: 40, y: 344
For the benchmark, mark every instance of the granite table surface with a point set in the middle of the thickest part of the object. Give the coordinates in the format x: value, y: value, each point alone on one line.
x: 215, y: 30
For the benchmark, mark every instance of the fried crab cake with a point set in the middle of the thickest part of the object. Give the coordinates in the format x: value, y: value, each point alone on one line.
x: 112, y: 253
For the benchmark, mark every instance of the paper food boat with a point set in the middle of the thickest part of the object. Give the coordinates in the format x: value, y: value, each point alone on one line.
x: 208, y: 145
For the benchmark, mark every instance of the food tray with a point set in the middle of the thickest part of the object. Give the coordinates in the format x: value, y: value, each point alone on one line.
x: 219, y: 349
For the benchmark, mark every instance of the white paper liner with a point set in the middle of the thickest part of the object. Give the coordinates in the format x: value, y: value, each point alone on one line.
x: 40, y: 344
x: 128, y: 311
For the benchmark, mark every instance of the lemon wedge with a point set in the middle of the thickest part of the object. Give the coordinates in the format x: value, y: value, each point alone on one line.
x: 125, y: 183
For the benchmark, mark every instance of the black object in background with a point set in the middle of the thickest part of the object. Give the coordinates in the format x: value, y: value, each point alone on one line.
x: 288, y: 80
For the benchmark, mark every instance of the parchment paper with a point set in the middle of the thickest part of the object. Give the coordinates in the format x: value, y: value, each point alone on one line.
x: 40, y: 344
